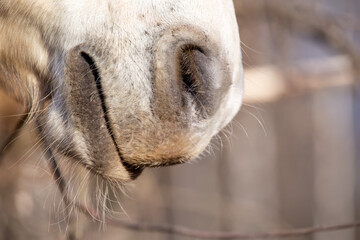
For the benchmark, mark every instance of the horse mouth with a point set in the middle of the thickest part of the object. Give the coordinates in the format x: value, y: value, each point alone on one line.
x: 134, y: 170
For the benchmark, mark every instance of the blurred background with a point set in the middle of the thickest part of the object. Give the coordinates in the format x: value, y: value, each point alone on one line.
x: 289, y: 159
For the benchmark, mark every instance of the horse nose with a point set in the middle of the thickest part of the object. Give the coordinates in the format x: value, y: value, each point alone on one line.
x: 191, y: 75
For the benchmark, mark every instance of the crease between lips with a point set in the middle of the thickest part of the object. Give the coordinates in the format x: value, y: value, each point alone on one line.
x: 82, y: 84
x: 134, y: 171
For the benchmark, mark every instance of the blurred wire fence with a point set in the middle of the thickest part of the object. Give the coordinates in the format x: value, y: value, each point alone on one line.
x: 289, y: 159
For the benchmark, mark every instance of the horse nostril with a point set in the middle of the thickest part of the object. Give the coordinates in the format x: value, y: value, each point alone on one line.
x: 192, y: 76
x: 95, y: 72
x: 190, y: 71
x: 197, y: 74
x: 92, y: 66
